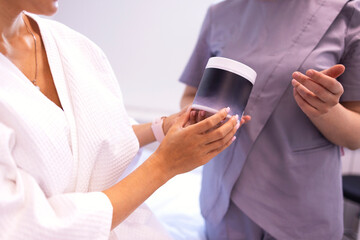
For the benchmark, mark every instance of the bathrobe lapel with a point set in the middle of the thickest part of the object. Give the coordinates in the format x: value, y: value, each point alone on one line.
x: 26, y: 109
x: 92, y: 98
x: 58, y: 73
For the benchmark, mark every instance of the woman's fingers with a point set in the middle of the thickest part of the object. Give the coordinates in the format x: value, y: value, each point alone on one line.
x: 305, y: 106
x: 309, y: 97
x: 335, y: 71
x: 196, y: 116
x: 245, y: 119
x: 183, y: 118
x: 216, y: 151
x: 318, y: 81
x: 192, y: 119
x: 192, y: 146
x: 170, y: 120
x: 220, y: 133
x: 223, y: 135
x: 317, y: 92
x: 200, y: 116
x: 329, y: 83
x: 210, y: 122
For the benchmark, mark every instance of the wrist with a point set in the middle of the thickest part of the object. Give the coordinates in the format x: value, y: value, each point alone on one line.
x: 157, y: 127
x: 329, y: 114
x: 159, y: 164
x: 166, y: 124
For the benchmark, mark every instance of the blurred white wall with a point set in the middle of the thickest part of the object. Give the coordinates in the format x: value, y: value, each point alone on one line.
x: 147, y: 42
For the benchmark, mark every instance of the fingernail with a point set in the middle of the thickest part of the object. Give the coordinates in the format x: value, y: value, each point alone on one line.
x: 227, y: 109
x: 233, y: 139
x: 296, y: 74
x: 237, y: 125
x: 310, y: 72
x: 237, y: 117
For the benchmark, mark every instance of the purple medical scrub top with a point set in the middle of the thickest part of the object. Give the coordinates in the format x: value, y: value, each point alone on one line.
x: 281, y: 171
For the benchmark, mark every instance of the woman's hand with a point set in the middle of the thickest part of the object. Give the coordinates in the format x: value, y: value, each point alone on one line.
x: 318, y: 92
x: 170, y: 120
x: 199, y: 115
x: 318, y: 95
x: 185, y: 148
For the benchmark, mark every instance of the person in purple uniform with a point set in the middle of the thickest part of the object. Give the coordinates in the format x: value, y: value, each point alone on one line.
x: 282, y: 177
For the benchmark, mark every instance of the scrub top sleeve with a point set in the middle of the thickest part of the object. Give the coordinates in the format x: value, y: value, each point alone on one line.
x: 200, y: 55
x: 351, y: 59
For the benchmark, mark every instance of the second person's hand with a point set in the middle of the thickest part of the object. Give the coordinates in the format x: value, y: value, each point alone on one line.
x: 317, y: 93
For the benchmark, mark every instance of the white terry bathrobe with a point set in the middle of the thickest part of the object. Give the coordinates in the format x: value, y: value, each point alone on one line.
x: 54, y: 163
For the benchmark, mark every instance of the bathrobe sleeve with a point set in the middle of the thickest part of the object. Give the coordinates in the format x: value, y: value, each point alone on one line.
x: 26, y: 213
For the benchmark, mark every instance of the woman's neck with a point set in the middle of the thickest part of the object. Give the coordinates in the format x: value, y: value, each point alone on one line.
x: 11, y: 22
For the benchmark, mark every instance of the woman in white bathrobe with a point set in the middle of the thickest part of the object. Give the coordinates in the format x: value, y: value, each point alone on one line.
x: 65, y: 137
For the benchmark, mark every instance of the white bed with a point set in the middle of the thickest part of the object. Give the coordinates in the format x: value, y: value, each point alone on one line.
x: 176, y: 204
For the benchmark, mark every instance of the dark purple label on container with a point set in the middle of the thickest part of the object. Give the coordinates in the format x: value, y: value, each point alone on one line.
x: 220, y: 88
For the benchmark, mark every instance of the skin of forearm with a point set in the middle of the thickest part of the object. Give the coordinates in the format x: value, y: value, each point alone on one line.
x: 188, y: 96
x: 133, y: 190
x: 144, y: 133
x: 341, y: 126
x: 184, y: 149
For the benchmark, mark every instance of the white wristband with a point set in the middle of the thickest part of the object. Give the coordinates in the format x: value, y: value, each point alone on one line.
x: 157, y: 128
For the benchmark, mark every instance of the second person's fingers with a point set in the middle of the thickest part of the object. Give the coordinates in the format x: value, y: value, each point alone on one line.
x: 200, y: 116
x: 192, y: 119
x: 331, y: 84
x: 211, y: 121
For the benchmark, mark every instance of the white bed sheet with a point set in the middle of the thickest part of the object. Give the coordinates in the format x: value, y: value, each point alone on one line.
x: 176, y: 204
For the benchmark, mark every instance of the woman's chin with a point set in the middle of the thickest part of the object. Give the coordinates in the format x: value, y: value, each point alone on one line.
x: 48, y: 9
x: 51, y: 10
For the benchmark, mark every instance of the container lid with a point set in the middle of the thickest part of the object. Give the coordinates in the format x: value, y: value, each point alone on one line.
x: 232, y: 66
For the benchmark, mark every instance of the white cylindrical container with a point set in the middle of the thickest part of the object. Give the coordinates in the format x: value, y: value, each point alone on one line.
x: 225, y: 83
